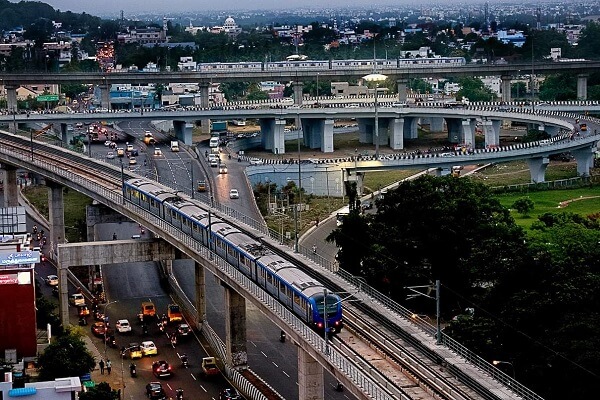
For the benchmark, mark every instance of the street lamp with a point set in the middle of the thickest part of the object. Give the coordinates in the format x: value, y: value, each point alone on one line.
x: 416, y: 293
x: 123, y: 369
x: 376, y: 78
x: 512, y: 367
x: 106, y: 323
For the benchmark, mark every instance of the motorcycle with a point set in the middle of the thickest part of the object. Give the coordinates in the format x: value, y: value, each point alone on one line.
x: 179, y: 393
x: 184, y: 360
x: 173, y: 340
x: 111, y: 341
x: 82, y: 321
x: 133, y: 370
x: 282, y: 337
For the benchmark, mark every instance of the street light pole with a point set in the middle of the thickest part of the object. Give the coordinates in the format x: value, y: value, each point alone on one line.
x: 106, y: 323
x: 376, y: 78
x: 512, y: 367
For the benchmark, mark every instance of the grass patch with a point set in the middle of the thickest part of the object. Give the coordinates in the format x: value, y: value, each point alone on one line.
x: 376, y: 180
x: 587, y: 201
x: 74, y: 206
x: 517, y: 172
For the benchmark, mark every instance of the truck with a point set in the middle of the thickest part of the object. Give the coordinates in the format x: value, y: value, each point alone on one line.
x: 174, y: 313
x: 174, y: 146
x: 209, y: 367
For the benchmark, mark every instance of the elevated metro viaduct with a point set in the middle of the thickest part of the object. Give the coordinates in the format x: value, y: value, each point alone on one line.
x: 395, y: 124
x: 311, y: 359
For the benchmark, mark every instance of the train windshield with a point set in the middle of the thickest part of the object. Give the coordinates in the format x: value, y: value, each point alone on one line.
x: 332, y: 302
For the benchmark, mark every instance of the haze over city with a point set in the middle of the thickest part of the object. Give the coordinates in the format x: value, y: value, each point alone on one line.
x: 112, y: 6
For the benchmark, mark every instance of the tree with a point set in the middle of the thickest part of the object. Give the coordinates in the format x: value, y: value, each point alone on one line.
x: 66, y: 356
x: 558, y: 87
x: 433, y: 228
x: 102, y: 391
x: 474, y: 90
x: 524, y: 205
x: 588, y: 45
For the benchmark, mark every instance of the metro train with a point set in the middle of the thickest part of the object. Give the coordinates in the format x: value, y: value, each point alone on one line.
x: 331, y: 64
x: 297, y: 291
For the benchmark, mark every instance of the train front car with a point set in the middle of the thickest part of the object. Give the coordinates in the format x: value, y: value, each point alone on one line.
x: 326, y: 306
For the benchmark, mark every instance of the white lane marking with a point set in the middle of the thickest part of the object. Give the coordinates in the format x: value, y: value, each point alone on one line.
x: 285, y: 373
x: 276, y: 366
x: 263, y: 353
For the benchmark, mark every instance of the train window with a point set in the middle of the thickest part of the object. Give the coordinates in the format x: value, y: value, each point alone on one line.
x: 297, y: 299
x: 282, y: 288
x: 230, y: 251
x: 262, y: 273
x: 270, y: 279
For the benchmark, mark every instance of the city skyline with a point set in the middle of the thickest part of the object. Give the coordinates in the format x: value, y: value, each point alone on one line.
x: 177, y: 6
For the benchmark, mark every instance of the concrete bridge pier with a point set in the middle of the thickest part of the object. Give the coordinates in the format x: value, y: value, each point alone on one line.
x: 10, y: 194
x: 200, y: 301
x: 582, y: 86
x: 297, y: 92
x: 505, y: 82
x: 204, y: 103
x: 310, y: 377
x: 468, y: 129
x: 235, y: 329
x: 396, y: 133
x: 491, y: 131
x: 585, y: 160
x: 56, y: 213
x: 318, y: 133
x: 105, y: 96
x: 410, y: 128
x: 11, y: 105
x: 455, y: 132
x: 273, y: 135
x: 65, y: 135
x: 436, y: 124
x: 183, y: 131
x: 402, y: 89
x: 537, y: 168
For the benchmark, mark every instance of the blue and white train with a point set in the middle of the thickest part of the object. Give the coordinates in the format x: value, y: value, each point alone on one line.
x: 303, y: 295
x: 400, y: 63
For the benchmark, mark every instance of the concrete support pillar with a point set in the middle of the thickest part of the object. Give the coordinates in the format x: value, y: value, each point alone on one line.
x: 455, y: 133
x: 273, y: 135
x: 366, y: 128
x: 402, y: 89
x: 63, y: 293
x: 11, y: 189
x: 537, y: 168
x: 204, y: 96
x: 310, y: 377
x: 183, y: 131
x: 585, y: 160
x: 235, y: 329
x: 297, y: 88
x: 396, y: 133
x: 65, y: 135
x: 436, y: 124
x: 505, y: 87
x: 410, y: 128
x: 11, y: 98
x: 491, y: 130
x: 105, y: 96
x: 327, y: 136
x: 468, y: 132
x: 582, y: 86
x: 200, y: 281
x: 56, y: 212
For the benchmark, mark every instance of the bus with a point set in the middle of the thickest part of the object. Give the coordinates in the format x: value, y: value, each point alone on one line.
x: 341, y: 214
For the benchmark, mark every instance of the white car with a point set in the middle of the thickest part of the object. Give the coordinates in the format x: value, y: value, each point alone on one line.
x: 123, y: 326
x: 234, y: 194
x: 256, y: 161
x: 110, y: 155
x: 52, y: 280
x: 149, y: 348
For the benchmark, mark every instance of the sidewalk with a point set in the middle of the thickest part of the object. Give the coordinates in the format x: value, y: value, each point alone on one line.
x: 114, y: 379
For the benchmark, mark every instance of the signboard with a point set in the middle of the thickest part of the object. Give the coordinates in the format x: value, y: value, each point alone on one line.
x: 19, y: 257
x: 47, y: 97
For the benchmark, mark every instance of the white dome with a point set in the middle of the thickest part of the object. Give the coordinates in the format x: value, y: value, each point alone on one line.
x: 230, y: 23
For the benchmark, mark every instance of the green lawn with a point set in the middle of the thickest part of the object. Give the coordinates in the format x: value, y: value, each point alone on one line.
x: 587, y: 201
